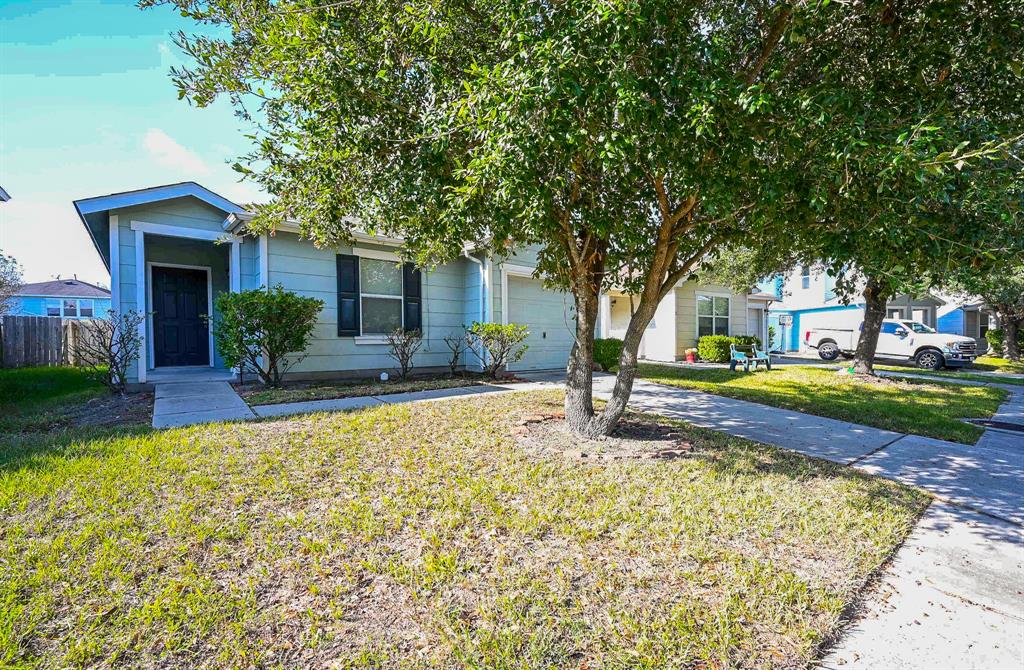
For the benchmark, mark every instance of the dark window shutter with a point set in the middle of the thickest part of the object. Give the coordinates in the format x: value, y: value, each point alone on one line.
x: 348, y: 295
x: 412, y: 297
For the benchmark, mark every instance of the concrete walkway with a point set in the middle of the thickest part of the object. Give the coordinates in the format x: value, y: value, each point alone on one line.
x: 183, y: 403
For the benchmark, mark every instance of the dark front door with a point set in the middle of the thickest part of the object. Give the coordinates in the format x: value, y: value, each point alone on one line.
x: 180, y: 305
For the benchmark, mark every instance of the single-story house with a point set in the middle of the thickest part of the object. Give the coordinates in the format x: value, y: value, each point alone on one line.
x: 688, y: 312
x: 171, y: 250
x: 973, y: 319
x: 806, y: 299
x: 65, y: 298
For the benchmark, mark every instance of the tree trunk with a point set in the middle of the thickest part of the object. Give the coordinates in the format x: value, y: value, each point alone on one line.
x: 1011, y: 343
x: 579, y: 388
x: 875, y: 300
x: 579, y: 377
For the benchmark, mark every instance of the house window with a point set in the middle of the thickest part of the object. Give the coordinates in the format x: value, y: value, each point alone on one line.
x: 70, y: 308
x: 85, y: 308
x: 380, y: 295
x: 805, y: 277
x: 896, y: 313
x: 52, y: 307
x: 712, y: 315
x: 377, y: 296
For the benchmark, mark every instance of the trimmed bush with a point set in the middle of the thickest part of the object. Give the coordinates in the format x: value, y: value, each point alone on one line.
x: 607, y: 352
x: 503, y: 344
x: 714, y: 348
x: 995, y: 341
x: 747, y: 340
x: 266, y: 331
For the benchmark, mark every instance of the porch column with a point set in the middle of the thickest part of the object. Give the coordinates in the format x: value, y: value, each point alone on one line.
x: 233, y: 269
x: 605, y: 308
x: 140, y: 301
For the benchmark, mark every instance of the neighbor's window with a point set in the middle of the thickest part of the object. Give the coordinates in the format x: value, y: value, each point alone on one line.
x: 380, y: 293
x: 71, y: 308
x: 52, y: 307
x: 805, y: 277
x: 85, y: 308
x: 712, y: 315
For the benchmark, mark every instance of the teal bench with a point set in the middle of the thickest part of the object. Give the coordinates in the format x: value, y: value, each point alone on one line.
x: 746, y: 354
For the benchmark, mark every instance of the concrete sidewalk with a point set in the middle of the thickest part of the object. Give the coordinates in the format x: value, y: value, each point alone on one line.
x: 187, y: 403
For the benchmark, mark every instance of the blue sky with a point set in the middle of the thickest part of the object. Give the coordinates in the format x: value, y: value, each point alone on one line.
x: 87, y: 108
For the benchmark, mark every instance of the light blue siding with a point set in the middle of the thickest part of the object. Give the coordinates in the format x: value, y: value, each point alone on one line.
x: 301, y: 267
x: 36, y: 305
x: 952, y: 322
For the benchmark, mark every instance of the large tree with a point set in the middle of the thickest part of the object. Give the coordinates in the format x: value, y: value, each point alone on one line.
x: 1002, y: 289
x: 629, y: 138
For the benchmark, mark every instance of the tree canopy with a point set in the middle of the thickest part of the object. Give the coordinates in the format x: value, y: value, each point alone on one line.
x: 631, y: 139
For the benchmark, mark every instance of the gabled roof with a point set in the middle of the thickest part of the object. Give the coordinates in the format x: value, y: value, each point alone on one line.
x: 93, y: 211
x: 4, y: 195
x: 155, y: 194
x: 72, y: 288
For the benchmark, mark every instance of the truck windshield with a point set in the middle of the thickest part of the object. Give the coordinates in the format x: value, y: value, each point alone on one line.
x: 918, y: 327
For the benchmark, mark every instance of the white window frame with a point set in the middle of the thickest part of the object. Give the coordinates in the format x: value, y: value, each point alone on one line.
x: 60, y: 307
x: 805, y: 277
x: 697, y: 314
x: 92, y: 307
x: 374, y: 254
x: 64, y: 309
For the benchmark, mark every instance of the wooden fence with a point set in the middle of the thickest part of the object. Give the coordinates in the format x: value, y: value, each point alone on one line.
x: 44, y: 340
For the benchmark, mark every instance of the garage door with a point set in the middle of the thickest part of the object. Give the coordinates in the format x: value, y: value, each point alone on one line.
x: 549, y: 316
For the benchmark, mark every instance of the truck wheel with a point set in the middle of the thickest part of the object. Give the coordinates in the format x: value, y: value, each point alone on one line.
x: 929, y: 359
x: 828, y: 351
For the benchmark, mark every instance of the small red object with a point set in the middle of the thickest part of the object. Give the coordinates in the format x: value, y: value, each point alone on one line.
x: 691, y: 358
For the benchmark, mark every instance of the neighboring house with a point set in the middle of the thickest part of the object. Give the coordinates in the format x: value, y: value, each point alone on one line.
x: 4, y: 195
x: 173, y: 249
x: 972, y: 319
x: 687, y: 313
x: 65, y: 298
x: 807, y: 299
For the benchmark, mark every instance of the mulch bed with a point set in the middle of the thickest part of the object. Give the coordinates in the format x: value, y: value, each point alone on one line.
x: 112, y: 410
x: 633, y: 438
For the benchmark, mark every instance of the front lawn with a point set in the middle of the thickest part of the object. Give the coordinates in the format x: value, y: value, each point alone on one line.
x: 995, y: 364
x: 425, y: 536
x: 257, y: 394
x: 55, y: 398
x: 905, y: 406
x: 953, y: 374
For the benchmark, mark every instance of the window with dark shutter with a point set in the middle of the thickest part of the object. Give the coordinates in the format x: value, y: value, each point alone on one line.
x: 348, y: 295
x: 412, y: 297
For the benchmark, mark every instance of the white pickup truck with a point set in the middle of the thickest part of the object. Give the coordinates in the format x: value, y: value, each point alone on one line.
x: 899, y: 339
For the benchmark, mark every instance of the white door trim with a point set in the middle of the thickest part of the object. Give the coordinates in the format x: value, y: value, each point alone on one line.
x: 506, y: 270
x: 149, y: 301
x: 140, y: 302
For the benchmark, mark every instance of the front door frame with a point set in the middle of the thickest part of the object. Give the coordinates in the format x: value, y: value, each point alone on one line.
x: 149, y: 301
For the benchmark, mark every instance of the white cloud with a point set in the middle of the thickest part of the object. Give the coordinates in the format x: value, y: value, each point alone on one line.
x: 167, y: 152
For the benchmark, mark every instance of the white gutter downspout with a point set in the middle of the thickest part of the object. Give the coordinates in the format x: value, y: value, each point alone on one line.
x: 485, y: 286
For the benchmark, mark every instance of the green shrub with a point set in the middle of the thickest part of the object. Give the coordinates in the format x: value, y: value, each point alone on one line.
x: 607, y: 352
x: 747, y: 340
x: 501, y: 342
x: 995, y: 341
x: 260, y: 329
x: 714, y: 348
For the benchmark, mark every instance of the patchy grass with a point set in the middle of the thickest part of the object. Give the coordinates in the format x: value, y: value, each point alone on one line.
x: 995, y: 364
x: 422, y: 536
x: 953, y: 374
x: 257, y: 394
x: 906, y: 406
x: 55, y: 398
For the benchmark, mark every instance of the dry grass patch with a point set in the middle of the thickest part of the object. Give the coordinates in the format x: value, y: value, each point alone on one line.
x: 425, y: 536
x: 258, y: 394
